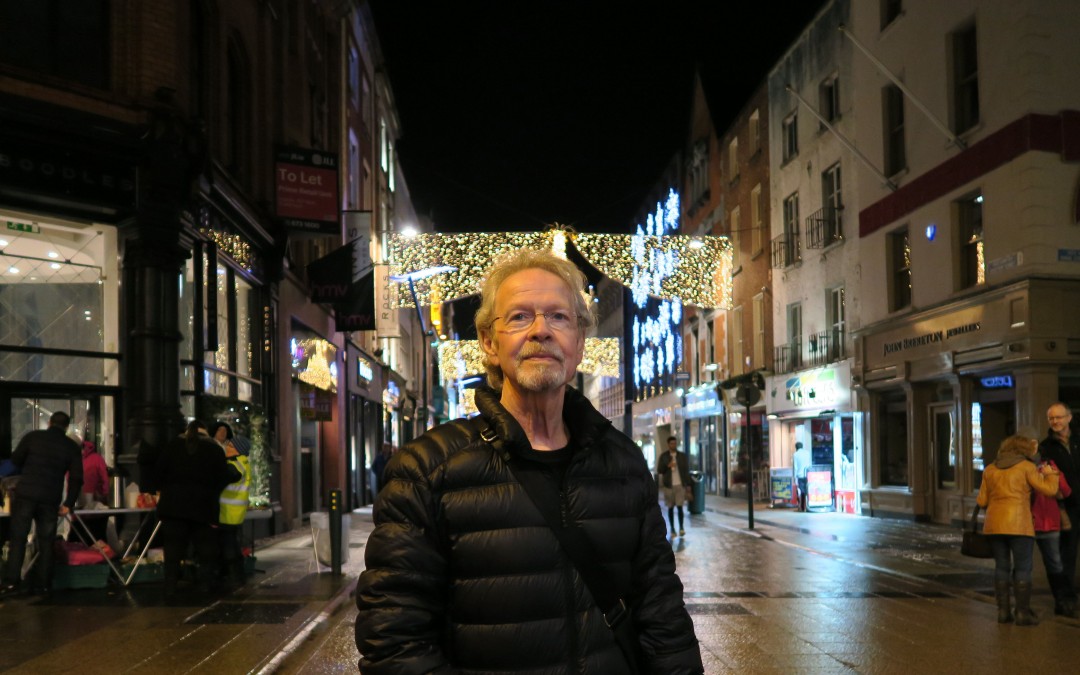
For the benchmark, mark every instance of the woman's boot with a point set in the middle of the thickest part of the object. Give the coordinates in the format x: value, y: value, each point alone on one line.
x: 1024, y: 615
x: 1002, y: 590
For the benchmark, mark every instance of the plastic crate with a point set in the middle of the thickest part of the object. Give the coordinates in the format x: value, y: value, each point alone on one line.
x: 146, y: 572
x: 80, y: 576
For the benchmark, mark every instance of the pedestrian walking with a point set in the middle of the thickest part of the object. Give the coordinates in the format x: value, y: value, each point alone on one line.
x: 43, y: 457
x: 674, y: 469
x: 475, y: 564
x: 1006, y: 490
x: 1062, y: 447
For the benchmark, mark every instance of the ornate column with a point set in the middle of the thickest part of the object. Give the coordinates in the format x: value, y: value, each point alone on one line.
x: 154, y: 246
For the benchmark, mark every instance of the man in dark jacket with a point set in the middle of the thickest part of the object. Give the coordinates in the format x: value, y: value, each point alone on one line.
x: 674, y: 470
x: 1062, y: 446
x: 464, y: 573
x: 43, y: 457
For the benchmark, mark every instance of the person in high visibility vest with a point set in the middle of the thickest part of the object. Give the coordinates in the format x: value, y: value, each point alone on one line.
x: 234, y: 506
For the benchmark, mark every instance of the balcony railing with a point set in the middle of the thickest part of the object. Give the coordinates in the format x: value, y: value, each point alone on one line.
x: 817, y: 349
x: 786, y: 250
x: 823, y: 227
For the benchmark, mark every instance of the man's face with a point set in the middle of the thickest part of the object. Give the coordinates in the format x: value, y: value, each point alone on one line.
x: 536, y: 358
x: 220, y: 435
x: 1059, y: 418
x: 672, y: 444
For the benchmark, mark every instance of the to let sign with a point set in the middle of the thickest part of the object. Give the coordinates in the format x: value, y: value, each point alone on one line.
x: 306, y: 184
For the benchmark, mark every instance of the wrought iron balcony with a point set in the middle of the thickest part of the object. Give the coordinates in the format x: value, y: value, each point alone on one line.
x: 821, y: 349
x: 823, y: 227
x: 786, y: 250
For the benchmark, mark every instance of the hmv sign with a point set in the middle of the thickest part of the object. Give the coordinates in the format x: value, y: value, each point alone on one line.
x: 40, y: 169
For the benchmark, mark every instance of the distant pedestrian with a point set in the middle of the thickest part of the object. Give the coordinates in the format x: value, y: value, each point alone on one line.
x: 378, y: 465
x: 44, y: 457
x: 192, y: 472
x: 95, y: 487
x: 1006, y: 490
x: 674, y: 470
x: 801, y: 462
x: 1062, y: 447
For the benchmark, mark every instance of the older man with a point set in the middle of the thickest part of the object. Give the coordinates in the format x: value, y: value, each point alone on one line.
x: 1062, y: 446
x: 464, y: 573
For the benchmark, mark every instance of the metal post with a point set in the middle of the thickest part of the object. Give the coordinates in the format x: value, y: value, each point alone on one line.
x: 749, y: 471
x: 335, y: 532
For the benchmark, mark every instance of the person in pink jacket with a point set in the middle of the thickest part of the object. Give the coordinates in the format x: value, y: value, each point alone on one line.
x: 1046, y: 516
x: 1005, y: 493
x: 95, y: 475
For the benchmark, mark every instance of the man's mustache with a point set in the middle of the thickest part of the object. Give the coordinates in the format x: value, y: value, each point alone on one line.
x: 536, y: 349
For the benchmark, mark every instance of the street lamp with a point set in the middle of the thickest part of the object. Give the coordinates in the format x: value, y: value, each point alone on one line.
x: 412, y: 278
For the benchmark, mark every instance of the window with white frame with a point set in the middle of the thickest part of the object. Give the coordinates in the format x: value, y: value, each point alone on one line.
x: 754, y: 128
x: 829, y: 98
x: 733, y: 159
x: 759, y: 314
x: 735, y: 234
x: 757, y: 233
x: 834, y: 316
x: 790, y: 136
x: 969, y: 228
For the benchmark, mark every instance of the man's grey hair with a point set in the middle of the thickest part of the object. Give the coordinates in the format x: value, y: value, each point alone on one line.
x: 519, y: 261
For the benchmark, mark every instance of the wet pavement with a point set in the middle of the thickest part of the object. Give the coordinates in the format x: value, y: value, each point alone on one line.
x: 801, y: 592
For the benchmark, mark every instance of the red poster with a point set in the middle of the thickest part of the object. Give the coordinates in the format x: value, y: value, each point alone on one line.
x: 307, y: 190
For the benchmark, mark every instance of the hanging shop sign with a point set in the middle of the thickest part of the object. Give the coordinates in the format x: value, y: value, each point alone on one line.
x: 306, y: 189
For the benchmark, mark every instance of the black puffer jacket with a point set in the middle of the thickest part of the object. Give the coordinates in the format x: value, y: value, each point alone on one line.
x: 464, y: 575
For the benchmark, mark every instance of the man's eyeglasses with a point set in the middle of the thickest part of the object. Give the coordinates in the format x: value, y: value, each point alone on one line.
x: 1058, y: 418
x: 557, y: 320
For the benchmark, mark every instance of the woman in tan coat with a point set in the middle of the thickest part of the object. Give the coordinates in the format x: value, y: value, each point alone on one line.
x: 1006, y: 496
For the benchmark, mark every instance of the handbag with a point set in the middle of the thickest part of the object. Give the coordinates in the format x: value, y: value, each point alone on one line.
x: 581, y: 552
x: 1066, y: 522
x: 976, y: 544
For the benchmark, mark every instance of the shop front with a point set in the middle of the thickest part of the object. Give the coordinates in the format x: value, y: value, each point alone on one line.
x: 704, y: 415
x: 945, y: 387
x: 365, y: 428
x: 315, y: 374
x: 657, y: 418
x: 745, y: 447
x: 814, y: 407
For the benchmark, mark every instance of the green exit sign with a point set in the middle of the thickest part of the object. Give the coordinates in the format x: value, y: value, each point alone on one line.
x: 23, y: 227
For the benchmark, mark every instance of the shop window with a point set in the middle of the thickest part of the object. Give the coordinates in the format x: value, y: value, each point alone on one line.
x: 58, y: 291
x: 68, y: 39
x: 892, y: 439
x: 965, y: 79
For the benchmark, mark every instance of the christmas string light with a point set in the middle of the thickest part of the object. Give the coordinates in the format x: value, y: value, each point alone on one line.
x: 697, y: 268
x: 459, y: 359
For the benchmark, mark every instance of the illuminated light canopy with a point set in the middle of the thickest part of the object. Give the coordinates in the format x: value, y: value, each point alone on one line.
x: 459, y: 359
x: 690, y: 270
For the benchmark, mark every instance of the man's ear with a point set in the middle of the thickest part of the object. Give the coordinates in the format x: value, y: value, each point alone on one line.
x: 489, y: 347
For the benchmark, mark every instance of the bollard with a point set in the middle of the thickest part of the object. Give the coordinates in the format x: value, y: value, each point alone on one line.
x: 335, y: 532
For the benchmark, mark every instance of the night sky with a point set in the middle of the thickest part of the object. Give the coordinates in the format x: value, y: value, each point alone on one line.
x: 519, y: 114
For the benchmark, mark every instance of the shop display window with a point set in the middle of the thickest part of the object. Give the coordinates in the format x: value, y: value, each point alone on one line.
x: 892, y: 439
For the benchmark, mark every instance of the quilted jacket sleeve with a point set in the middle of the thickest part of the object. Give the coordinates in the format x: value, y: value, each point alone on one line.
x: 401, y: 595
x: 665, y: 629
